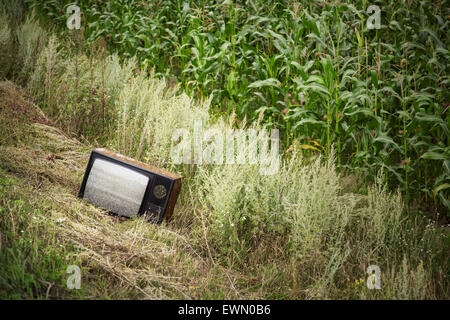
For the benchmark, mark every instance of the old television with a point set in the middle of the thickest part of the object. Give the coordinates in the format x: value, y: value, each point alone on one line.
x: 128, y: 187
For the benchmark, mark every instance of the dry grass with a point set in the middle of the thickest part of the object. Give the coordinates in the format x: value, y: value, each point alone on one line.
x: 141, y: 260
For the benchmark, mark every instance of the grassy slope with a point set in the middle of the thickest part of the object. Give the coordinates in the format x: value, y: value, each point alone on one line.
x: 45, y: 227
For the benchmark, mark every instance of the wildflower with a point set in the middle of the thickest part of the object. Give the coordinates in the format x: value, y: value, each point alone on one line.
x: 403, y: 63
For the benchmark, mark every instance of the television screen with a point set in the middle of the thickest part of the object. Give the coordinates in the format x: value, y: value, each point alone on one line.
x: 115, y: 187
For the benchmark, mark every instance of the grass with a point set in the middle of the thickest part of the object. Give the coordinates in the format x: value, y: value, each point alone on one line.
x: 307, y: 232
x: 119, y: 259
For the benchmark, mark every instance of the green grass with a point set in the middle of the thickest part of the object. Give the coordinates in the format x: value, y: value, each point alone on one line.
x: 33, y: 261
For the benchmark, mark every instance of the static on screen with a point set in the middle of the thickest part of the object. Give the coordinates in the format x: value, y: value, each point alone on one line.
x: 115, y: 187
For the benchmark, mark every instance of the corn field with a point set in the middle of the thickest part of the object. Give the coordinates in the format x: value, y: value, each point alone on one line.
x: 361, y: 104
